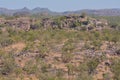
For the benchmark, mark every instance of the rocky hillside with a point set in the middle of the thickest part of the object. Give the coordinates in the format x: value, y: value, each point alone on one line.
x: 72, y: 47
x: 77, y: 22
x: 45, y: 54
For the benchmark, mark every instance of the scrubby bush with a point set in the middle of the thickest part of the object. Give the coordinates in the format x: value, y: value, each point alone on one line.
x: 116, y: 68
x: 9, y: 64
x: 30, y: 69
x: 70, y: 68
x: 5, y: 42
x: 83, y: 15
x: 67, y: 50
x: 92, y: 65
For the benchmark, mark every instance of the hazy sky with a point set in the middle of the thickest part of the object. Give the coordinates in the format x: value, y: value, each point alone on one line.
x: 61, y: 5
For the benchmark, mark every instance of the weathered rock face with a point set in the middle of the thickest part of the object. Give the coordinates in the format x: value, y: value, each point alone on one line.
x: 47, y: 22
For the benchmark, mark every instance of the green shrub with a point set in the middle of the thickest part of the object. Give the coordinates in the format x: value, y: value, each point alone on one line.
x: 30, y: 68
x: 9, y: 64
x: 116, y: 69
x: 67, y: 50
x: 84, y: 76
x: 92, y: 64
x: 5, y: 42
x: 70, y: 68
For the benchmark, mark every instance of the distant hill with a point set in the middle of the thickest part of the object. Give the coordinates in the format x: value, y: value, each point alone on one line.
x: 100, y: 12
x: 38, y: 10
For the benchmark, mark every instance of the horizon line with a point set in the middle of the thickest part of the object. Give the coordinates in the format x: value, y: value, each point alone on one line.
x: 56, y: 11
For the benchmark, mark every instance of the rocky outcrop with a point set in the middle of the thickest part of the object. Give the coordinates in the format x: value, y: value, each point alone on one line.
x: 75, y: 22
x: 22, y: 22
x: 2, y: 20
